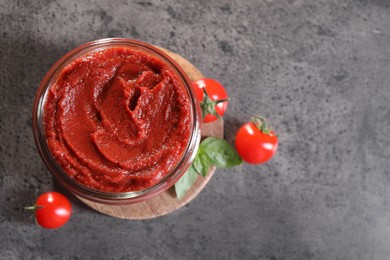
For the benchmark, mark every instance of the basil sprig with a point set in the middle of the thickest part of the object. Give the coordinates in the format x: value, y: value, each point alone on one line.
x: 212, y: 151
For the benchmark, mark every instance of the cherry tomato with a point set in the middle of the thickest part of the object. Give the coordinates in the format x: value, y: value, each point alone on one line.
x: 52, y: 210
x: 217, y: 95
x: 255, y: 142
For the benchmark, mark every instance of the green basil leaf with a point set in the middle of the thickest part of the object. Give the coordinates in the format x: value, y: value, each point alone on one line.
x: 201, y: 163
x: 220, y: 153
x: 197, y: 164
x: 185, y: 182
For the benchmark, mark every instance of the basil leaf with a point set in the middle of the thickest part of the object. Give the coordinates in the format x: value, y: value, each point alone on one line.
x: 212, y: 151
x: 220, y: 153
x: 185, y: 182
x: 201, y: 163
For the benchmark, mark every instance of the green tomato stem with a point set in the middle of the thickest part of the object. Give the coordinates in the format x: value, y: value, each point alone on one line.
x: 34, y: 207
x: 208, y: 106
x: 262, y: 124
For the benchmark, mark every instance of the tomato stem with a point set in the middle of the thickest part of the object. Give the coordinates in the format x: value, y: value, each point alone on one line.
x: 208, y: 106
x: 33, y: 208
x: 262, y: 124
x: 221, y: 100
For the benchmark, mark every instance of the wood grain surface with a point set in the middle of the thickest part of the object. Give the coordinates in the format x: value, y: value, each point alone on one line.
x: 166, y: 202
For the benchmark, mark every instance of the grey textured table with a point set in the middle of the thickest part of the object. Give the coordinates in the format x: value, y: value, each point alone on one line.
x: 319, y: 70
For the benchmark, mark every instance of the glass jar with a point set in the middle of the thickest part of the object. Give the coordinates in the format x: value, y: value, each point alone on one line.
x: 114, y: 198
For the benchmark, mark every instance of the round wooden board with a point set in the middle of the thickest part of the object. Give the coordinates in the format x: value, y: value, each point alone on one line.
x: 166, y: 202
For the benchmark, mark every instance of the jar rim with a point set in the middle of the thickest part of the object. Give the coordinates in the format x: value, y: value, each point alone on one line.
x: 82, y: 190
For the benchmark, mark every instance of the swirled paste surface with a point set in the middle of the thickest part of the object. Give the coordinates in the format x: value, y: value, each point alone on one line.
x: 117, y: 120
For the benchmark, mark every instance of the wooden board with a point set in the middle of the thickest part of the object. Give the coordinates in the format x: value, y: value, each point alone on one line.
x: 166, y: 202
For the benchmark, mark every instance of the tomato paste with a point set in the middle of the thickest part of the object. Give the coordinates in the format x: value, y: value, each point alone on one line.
x: 117, y: 120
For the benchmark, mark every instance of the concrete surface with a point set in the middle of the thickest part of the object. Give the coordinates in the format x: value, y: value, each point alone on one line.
x: 319, y: 70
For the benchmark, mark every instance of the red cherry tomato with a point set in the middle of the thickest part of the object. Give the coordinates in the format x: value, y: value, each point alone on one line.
x: 255, y: 146
x: 216, y: 92
x: 52, y: 210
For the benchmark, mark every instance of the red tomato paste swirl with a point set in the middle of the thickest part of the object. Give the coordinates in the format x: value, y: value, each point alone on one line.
x: 117, y: 120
